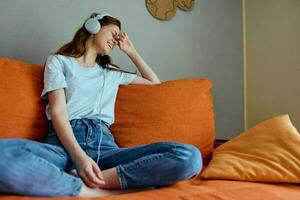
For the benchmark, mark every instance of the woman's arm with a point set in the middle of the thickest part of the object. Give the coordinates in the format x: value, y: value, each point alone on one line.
x: 126, y: 45
x: 62, y: 125
x: 86, y: 167
x: 143, y: 67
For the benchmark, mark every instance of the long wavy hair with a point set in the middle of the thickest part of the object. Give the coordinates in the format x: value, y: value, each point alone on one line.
x: 76, y: 47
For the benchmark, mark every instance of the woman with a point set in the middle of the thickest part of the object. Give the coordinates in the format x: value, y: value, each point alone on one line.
x: 80, y: 156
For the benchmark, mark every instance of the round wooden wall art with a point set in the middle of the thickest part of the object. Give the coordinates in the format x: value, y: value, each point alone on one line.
x: 166, y: 9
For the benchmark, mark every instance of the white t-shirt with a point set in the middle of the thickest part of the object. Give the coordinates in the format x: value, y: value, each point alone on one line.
x: 83, y: 87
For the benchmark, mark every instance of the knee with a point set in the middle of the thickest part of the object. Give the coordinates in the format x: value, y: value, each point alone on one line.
x: 11, y: 148
x: 190, y: 161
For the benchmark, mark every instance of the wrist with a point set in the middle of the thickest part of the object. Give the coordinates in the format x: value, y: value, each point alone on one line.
x: 79, y: 156
x: 131, y: 52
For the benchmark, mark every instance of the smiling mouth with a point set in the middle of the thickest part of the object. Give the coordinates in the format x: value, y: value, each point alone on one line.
x: 110, y: 46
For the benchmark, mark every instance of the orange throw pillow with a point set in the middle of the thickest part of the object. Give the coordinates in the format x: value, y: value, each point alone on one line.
x: 268, y: 152
x: 22, y: 111
x: 177, y: 110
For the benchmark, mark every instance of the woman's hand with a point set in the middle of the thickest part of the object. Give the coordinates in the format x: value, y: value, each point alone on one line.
x: 125, y: 43
x: 89, y: 171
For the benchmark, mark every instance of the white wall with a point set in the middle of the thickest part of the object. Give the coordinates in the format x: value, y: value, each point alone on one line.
x: 206, y: 42
x: 273, y: 61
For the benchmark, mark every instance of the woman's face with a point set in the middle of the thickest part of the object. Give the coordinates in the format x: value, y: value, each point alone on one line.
x: 105, y: 39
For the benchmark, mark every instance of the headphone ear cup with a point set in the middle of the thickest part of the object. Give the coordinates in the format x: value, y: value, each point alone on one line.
x: 92, y: 25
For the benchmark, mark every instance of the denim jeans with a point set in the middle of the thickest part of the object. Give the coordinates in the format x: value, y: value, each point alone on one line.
x: 41, y: 169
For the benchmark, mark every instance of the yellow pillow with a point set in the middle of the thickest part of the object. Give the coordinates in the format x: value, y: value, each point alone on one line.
x: 268, y: 152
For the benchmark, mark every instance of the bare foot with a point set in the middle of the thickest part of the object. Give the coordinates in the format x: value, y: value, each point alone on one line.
x: 96, y: 192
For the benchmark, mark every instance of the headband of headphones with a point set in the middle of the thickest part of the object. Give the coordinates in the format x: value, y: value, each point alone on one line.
x: 92, y: 25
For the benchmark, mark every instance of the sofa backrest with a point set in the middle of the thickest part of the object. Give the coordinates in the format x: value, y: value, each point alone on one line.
x: 177, y: 110
x: 22, y: 112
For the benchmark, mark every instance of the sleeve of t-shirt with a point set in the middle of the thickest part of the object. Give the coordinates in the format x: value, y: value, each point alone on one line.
x: 124, y: 78
x: 54, y: 77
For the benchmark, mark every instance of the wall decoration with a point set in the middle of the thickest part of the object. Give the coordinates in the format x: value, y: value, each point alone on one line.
x: 166, y: 9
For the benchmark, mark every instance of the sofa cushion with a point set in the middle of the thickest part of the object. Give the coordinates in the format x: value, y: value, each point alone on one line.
x: 177, y: 110
x: 240, y: 190
x: 268, y: 152
x: 22, y: 112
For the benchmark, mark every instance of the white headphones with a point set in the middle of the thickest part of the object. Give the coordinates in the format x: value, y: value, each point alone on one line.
x: 92, y: 25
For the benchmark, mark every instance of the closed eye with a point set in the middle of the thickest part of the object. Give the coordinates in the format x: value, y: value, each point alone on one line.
x: 114, y: 34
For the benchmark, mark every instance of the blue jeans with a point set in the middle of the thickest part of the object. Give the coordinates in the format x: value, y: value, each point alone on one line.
x: 41, y: 169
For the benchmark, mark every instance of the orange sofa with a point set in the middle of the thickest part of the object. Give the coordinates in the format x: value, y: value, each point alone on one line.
x: 177, y: 110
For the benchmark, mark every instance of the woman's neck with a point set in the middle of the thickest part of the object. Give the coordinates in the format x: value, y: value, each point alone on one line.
x: 88, y: 59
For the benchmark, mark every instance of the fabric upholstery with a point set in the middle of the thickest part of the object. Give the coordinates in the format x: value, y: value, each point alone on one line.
x: 267, y: 152
x: 177, y: 110
x: 22, y: 111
